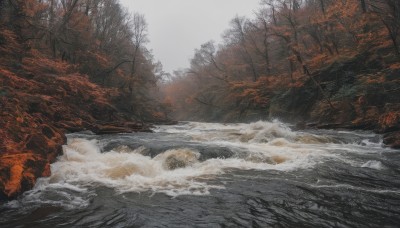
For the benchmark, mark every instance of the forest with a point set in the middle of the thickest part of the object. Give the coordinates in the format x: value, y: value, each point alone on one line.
x: 312, y: 61
x: 96, y: 39
x: 68, y: 66
x: 74, y: 65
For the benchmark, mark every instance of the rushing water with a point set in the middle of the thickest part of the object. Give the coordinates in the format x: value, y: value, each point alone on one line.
x: 216, y: 175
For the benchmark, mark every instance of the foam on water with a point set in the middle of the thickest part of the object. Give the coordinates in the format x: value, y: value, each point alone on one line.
x: 174, y: 170
x: 179, y: 171
x: 62, y: 194
x: 373, y: 165
x: 259, y: 132
x: 126, y: 171
x: 261, y: 173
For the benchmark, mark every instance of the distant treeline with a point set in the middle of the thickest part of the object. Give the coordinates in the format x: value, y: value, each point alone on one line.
x: 284, y: 46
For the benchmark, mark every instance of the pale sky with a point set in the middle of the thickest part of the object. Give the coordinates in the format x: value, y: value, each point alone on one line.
x: 178, y: 27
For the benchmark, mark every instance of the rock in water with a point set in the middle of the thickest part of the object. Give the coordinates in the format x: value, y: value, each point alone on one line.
x: 392, y: 139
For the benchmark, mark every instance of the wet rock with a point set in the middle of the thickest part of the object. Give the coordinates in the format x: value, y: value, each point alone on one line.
x: 108, y: 129
x: 48, y: 132
x: 392, y: 139
x: 70, y: 126
x: 214, y: 152
x: 18, y: 173
x: 172, y: 163
x: 134, y: 126
x: 37, y: 143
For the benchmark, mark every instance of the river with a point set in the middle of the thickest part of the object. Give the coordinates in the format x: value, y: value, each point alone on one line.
x: 192, y: 174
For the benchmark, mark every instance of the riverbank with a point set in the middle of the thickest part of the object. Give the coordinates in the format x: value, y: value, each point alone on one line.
x: 36, y: 113
x: 358, y: 92
x: 48, y: 90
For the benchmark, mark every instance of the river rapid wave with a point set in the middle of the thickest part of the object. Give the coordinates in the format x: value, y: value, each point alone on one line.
x: 257, y: 174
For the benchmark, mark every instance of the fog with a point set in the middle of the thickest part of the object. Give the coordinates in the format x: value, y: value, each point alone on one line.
x: 178, y: 27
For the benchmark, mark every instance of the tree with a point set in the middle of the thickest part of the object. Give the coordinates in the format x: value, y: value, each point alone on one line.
x: 260, y: 33
x: 98, y: 38
x: 205, y: 59
x: 139, y: 27
x: 237, y: 35
x: 389, y: 12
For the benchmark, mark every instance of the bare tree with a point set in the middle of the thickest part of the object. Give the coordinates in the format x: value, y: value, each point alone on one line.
x: 237, y: 34
x: 205, y: 58
x: 139, y: 37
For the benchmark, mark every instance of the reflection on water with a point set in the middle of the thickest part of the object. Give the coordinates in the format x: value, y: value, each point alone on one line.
x: 202, y: 174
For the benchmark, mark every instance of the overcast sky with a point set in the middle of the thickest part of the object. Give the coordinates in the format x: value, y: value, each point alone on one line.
x: 177, y: 27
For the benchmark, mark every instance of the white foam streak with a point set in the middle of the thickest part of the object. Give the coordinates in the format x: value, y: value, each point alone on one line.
x: 355, y: 188
x: 61, y: 194
x: 373, y: 165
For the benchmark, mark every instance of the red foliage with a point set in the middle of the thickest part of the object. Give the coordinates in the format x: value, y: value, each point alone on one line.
x: 390, y: 120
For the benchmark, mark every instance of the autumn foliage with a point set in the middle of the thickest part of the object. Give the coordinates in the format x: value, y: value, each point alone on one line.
x: 298, y: 60
x: 67, y: 66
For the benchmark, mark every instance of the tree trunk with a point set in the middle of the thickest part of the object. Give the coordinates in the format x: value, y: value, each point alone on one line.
x: 133, y: 69
x: 322, y: 6
x: 363, y: 6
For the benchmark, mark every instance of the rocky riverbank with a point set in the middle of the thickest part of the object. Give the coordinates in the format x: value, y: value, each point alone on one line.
x: 36, y: 111
x: 361, y: 92
x: 44, y: 95
x: 358, y: 93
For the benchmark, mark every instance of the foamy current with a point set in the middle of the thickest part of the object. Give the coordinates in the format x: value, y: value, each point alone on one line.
x: 257, y: 146
x: 209, y: 159
x: 178, y: 171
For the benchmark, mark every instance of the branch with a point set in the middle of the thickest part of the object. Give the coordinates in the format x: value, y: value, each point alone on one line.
x: 204, y: 103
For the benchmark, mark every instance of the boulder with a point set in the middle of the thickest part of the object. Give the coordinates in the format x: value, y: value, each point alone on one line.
x: 392, y: 139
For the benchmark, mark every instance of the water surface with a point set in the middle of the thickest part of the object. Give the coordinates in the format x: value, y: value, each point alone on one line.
x: 216, y: 175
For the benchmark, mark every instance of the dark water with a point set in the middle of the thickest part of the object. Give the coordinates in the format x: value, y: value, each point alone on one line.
x: 213, y: 175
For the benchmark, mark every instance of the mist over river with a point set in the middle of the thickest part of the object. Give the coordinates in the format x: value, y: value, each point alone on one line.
x: 193, y: 174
